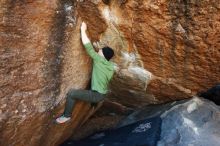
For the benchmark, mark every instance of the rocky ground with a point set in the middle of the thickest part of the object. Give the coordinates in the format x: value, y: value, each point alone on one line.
x: 193, y: 122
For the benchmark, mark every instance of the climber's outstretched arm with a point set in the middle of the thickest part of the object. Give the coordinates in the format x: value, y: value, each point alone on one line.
x: 87, y: 44
x: 84, y: 37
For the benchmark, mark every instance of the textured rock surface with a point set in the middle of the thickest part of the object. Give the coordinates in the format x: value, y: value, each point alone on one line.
x: 166, y: 50
x: 193, y: 123
x: 41, y: 59
x: 178, y: 43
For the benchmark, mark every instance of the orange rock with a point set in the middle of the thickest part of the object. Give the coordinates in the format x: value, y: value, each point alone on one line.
x: 165, y: 50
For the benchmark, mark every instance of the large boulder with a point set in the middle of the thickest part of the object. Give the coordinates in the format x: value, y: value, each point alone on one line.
x: 41, y: 59
x: 171, y: 48
x: 165, y: 50
x: 193, y: 121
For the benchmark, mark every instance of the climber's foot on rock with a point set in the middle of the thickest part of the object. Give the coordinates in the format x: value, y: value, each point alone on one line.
x: 62, y: 119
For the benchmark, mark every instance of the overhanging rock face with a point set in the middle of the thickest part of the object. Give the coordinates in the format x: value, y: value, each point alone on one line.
x: 177, y: 42
x: 165, y: 50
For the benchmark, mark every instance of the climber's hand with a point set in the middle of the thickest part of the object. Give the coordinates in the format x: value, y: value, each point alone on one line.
x: 83, y: 26
x: 84, y: 36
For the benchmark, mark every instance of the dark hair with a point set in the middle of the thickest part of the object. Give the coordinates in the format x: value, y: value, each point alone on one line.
x: 108, y: 52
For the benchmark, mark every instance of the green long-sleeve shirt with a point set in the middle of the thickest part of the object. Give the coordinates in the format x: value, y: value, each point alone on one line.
x: 102, y: 71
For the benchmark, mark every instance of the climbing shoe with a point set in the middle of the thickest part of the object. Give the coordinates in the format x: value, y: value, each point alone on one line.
x: 62, y: 119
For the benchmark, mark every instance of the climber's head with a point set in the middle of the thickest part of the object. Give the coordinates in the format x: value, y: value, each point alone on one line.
x: 106, y: 52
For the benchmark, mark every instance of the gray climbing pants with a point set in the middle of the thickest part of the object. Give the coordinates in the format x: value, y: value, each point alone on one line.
x: 85, y: 95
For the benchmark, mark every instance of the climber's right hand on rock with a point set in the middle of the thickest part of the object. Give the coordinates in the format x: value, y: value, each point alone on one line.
x: 83, y: 26
x: 84, y: 36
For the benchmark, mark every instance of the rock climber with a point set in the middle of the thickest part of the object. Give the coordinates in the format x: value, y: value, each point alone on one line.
x: 103, y: 70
